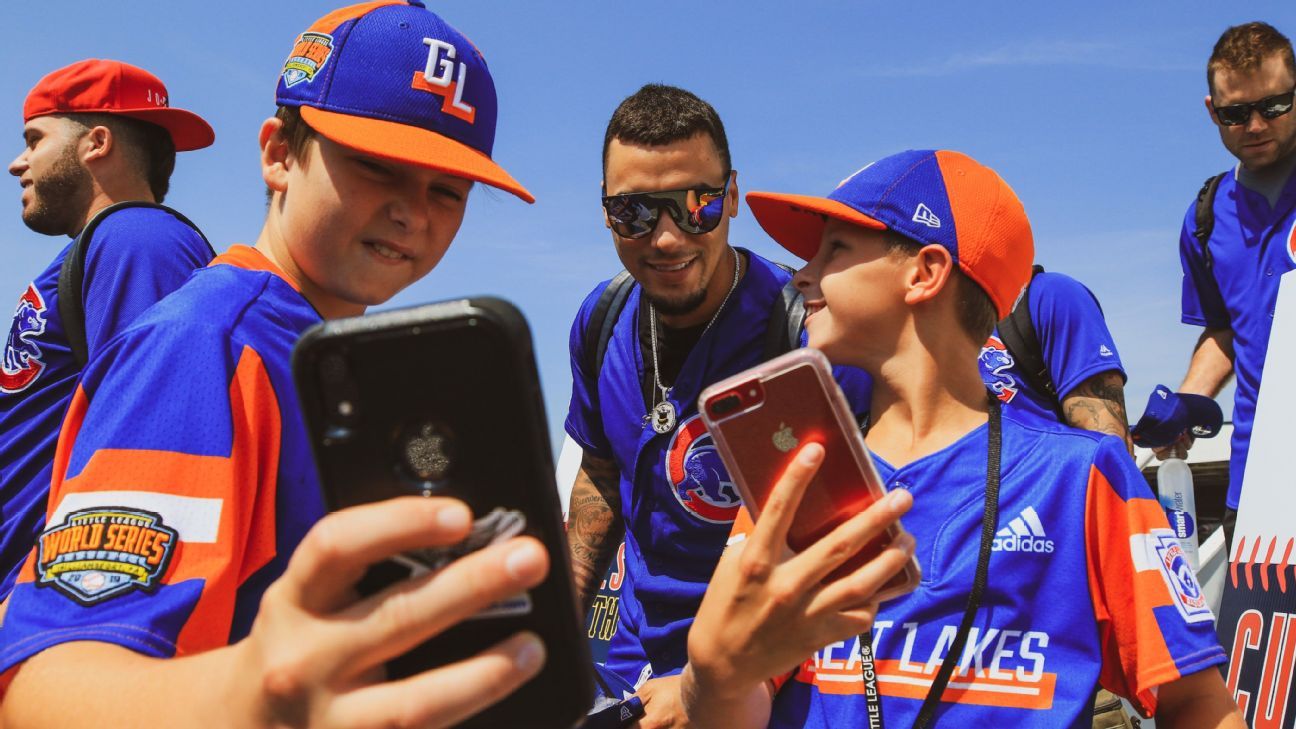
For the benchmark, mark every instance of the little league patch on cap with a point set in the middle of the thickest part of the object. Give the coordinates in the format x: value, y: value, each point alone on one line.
x: 393, y: 79
x: 930, y: 196
x: 1171, y: 414
x: 95, y: 86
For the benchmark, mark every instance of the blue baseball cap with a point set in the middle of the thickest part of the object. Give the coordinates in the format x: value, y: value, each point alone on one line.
x: 932, y: 196
x: 392, y: 79
x: 1170, y: 414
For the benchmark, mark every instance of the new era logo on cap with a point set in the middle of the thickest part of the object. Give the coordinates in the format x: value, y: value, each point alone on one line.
x: 925, y: 216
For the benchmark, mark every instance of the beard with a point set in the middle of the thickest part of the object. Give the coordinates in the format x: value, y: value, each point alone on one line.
x: 60, y: 196
x: 678, y: 305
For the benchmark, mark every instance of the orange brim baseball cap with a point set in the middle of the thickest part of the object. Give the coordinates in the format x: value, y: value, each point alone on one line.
x: 96, y: 86
x: 392, y: 79
x: 929, y: 196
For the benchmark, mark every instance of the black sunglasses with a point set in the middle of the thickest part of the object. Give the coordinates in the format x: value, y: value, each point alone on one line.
x: 695, y: 210
x: 1270, y: 107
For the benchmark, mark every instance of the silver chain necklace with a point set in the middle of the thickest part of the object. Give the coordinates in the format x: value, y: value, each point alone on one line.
x: 663, y: 413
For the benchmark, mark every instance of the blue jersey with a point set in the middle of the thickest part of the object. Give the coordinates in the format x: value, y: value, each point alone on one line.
x: 678, y: 503
x: 1252, y: 246
x: 135, y: 257
x: 183, y: 480
x: 1087, y: 585
x: 1074, y: 342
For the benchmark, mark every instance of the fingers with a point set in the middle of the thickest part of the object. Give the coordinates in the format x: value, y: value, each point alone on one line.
x: 769, y: 537
x: 844, y: 542
x: 392, y: 622
x: 337, y: 550
x: 860, y: 587
x: 447, y: 695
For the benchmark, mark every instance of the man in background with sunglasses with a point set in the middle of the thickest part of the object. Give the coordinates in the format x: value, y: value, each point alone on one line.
x: 1232, y: 270
x: 697, y: 311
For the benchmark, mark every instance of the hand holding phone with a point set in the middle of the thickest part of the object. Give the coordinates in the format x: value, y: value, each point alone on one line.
x: 443, y: 400
x: 766, y: 610
x: 759, y: 418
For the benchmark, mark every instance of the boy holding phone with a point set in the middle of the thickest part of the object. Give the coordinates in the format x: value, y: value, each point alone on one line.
x: 186, y: 521
x: 1077, y: 580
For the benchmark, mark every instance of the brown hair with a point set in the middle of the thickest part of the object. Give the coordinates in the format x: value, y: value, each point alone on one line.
x: 148, y: 146
x: 1244, y: 47
x: 657, y: 115
x: 977, y: 315
x: 295, y: 131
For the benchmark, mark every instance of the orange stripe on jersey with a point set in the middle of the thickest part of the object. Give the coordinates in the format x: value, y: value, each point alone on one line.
x: 242, y: 486
x: 251, y: 259
x: 1135, y: 656
x: 968, y: 687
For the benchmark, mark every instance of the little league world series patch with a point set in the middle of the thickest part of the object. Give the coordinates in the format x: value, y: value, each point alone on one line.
x: 99, y: 553
x: 308, y: 56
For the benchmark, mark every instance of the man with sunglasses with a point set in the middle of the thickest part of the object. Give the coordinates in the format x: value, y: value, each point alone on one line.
x: 697, y: 311
x: 1232, y: 270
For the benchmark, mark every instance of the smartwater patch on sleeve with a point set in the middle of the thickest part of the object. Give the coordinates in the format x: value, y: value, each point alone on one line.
x: 1159, y: 549
x: 99, y: 553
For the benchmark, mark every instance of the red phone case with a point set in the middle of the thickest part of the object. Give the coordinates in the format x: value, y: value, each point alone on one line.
x: 760, y: 417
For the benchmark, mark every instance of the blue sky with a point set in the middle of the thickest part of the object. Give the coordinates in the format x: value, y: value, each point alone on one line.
x: 1091, y: 111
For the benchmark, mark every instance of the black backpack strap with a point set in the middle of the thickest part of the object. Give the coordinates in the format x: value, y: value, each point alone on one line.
x: 598, y: 330
x: 1017, y: 332
x: 786, y: 320
x: 71, y: 296
x: 989, y: 523
x: 1204, y: 216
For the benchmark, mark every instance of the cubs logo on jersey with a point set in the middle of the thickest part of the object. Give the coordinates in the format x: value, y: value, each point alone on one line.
x: 98, y: 553
x: 697, y: 476
x: 22, y: 357
x: 996, y: 361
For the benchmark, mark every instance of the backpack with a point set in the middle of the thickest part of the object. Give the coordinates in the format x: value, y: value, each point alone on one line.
x: 1204, y: 216
x: 71, y: 297
x: 1017, y: 332
x: 782, y: 334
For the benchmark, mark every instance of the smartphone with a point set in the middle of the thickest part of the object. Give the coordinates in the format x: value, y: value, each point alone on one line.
x: 444, y: 400
x: 759, y: 418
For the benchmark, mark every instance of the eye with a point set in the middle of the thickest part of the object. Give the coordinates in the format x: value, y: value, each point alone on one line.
x: 446, y: 192
x: 372, y: 168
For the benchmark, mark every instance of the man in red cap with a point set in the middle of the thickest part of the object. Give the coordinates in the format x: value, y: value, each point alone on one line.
x: 100, y: 144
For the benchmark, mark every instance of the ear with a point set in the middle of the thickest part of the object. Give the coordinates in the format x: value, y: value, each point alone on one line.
x: 276, y: 158
x: 97, y: 144
x: 603, y: 191
x: 929, y: 273
x: 1210, y: 110
x: 733, y: 194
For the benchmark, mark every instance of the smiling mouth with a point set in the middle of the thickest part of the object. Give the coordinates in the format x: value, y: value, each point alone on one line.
x: 671, y: 267
x: 385, y: 251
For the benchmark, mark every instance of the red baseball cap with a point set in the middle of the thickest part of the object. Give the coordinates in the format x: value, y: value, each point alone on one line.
x: 96, y: 86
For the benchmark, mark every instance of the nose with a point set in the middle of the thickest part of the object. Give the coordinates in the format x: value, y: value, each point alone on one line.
x: 667, y: 237
x: 805, y: 278
x: 19, y: 165
x: 408, y: 210
x: 1255, y: 122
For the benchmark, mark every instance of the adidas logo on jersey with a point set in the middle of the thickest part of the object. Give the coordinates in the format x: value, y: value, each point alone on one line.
x: 1025, y: 533
x: 925, y: 216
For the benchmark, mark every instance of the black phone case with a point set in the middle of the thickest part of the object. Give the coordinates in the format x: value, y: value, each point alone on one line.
x: 444, y: 399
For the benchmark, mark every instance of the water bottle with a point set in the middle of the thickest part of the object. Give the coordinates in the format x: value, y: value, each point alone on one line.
x: 1175, y: 492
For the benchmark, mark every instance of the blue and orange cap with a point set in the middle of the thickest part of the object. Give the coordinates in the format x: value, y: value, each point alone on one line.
x: 392, y: 79
x: 931, y: 196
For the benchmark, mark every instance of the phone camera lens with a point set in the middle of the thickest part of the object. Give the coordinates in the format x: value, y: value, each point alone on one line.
x: 427, y: 452
x: 726, y: 404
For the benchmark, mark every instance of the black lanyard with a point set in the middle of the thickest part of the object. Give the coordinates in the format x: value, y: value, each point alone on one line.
x: 989, y: 522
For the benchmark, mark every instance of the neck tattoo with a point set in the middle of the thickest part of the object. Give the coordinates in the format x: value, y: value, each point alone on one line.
x: 663, y: 413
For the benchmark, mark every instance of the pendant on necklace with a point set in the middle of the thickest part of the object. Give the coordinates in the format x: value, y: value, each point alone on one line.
x: 663, y: 417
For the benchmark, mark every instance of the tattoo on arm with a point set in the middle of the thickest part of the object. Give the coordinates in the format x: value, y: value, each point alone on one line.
x: 1098, y: 404
x: 594, y: 524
